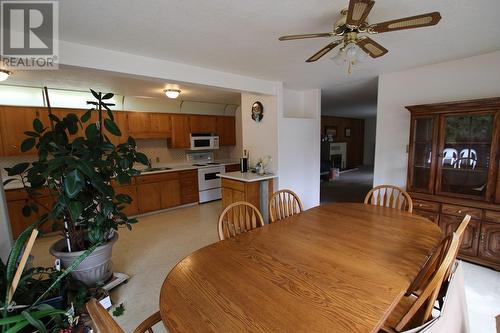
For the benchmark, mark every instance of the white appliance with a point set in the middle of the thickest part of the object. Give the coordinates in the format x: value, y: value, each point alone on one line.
x: 202, y: 141
x: 209, y: 185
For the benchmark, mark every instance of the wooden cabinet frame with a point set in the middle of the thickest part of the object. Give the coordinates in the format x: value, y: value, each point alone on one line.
x: 480, y: 245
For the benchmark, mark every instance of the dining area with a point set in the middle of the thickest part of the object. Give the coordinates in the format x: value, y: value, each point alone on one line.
x: 341, y: 267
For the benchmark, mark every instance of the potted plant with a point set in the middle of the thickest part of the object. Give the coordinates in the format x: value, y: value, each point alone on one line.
x: 78, y: 172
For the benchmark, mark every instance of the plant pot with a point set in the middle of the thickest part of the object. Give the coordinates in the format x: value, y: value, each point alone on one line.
x: 96, y: 268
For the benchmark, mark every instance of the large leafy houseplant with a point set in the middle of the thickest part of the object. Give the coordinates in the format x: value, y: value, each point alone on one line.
x: 78, y: 172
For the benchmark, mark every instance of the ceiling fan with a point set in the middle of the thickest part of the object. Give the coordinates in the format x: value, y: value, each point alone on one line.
x: 354, y: 22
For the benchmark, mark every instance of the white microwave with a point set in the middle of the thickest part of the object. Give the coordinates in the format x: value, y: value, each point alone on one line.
x: 204, y: 141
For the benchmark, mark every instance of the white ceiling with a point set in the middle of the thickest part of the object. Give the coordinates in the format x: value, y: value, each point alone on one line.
x: 82, y: 79
x: 242, y: 37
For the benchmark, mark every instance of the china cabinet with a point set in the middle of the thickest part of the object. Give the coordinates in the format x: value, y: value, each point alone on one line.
x: 453, y: 170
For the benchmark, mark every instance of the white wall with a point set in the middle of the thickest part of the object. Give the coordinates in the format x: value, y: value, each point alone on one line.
x: 5, y: 233
x: 260, y: 138
x: 369, y: 141
x: 299, y: 144
x: 469, y: 78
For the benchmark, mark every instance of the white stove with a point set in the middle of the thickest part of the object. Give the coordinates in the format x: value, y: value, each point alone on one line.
x: 209, y: 185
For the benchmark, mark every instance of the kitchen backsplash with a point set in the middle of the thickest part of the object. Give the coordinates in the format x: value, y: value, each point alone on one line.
x: 152, y: 148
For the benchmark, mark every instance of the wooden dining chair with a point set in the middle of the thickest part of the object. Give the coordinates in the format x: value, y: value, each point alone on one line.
x: 104, y: 323
x: 415, y: 310
x: 237, y: 218
x: 284, y: 203
x: 389, y: 196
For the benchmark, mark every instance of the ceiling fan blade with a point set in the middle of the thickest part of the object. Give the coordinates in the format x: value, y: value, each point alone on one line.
x: 418, y: 21
x: 324, y: 51
x: 357, y: 12
x: 292, y: 37
x: 371, y: 47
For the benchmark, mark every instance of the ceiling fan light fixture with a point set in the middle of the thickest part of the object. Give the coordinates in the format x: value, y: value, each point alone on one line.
x: 350, y: 54
x: 172, y: 93
x: 4, y: 74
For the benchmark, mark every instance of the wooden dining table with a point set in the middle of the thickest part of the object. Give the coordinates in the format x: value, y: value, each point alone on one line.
x: 334, y: 268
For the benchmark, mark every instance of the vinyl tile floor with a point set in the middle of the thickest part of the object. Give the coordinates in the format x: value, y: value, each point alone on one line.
x: 159, y: 241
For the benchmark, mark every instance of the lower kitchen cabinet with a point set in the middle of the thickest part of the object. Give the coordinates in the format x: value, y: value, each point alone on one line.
x: 130, y: 190
x: 470, y: 240
x: 149, y: 197
x: 16, y: 200
x: 170, y: 193
x: 189, y: 186
x: 489, y: 246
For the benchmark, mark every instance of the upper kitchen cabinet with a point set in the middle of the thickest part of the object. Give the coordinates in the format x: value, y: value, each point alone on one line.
x: 15, y: 120
x: 180, y: 132
x: 226, y: 129
x: 203, y: 124
x: 145, y: 125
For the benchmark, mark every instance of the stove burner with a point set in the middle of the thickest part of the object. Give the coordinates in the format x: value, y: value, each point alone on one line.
x: 213, y: 163
x: 198, y: 164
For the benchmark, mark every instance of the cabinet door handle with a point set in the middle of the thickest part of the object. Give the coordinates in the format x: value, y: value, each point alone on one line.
x: 459, y: 211
x: 420, y: 205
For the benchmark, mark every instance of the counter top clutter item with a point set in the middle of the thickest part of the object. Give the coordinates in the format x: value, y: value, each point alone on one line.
x: 77, y: 170
x: 373, y: 277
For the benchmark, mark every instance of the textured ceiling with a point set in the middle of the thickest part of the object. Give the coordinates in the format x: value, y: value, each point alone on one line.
x: 242, y: 37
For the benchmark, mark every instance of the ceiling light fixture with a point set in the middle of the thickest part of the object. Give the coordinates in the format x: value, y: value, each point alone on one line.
x: 351, y: 55
x: 172, y: 93
x: 4, y: 74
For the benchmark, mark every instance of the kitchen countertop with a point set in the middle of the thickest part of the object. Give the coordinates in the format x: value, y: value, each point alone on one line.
x: 247, y: 177
x: 174, y: 167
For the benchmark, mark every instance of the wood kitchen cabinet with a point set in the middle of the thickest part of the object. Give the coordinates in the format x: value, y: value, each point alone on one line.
x: 202, y: 124
x: 15, y: 120
x: 180, y: 132
x: 145, y: 125
x: 453, y: 170
x: 171, y: 193
x: 189, y: 186
x: 226, y: 129
x: 149, y: 197
x: 18, y: 198
x: 130, y: 190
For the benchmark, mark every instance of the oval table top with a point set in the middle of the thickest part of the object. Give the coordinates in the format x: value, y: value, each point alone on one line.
x: 334, y: 268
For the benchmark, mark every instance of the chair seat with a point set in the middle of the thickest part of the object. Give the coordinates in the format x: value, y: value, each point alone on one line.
x: 399, y: 311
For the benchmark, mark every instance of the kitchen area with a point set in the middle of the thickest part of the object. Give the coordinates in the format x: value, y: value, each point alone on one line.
x: 190, y: 140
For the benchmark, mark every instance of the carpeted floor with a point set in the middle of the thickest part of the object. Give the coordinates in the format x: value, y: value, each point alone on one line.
x: 351, y: 186
x: 159, y: 241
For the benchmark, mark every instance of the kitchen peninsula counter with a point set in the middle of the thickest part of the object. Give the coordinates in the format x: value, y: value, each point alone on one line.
x: 249, y: 187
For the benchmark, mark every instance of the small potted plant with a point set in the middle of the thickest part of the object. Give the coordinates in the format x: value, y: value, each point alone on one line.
x: 78, y: 172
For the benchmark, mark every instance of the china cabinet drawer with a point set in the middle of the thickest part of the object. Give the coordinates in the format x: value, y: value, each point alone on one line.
x: 461, y: 211
x: 492, y: 216
x: 426, y: 205
x: 434, y: 217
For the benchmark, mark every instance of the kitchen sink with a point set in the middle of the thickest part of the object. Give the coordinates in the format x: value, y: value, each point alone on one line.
x: 156, y: 169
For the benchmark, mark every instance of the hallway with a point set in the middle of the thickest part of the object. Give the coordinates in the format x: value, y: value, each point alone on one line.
x: 351, y: 186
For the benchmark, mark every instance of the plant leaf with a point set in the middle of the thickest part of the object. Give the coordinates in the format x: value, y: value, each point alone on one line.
x: 37, y: 125
x: 26, y: 210
x: 28, y: 144
x: 34, y: 322
x: 86, y: 116
x: 73, y: 183
x: 111, y: 126
x: 17, y: 169
x: 75, y: 209
x: 123, y: 198
x: 96, y: 95
x: 108, y: 96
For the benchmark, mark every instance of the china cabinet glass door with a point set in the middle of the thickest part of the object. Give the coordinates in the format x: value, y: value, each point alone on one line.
x: 421, y: 159
x: 465, y: 151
